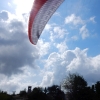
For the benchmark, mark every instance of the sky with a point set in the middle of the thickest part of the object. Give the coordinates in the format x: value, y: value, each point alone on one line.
x: 69, y: 43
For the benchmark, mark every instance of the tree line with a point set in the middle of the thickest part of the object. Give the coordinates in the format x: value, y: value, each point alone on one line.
x: 74, y: 87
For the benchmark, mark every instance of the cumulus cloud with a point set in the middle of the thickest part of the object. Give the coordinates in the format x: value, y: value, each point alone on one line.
x: 62, y: 47
x: 47, y: 79
x: 73, y: 19
x: 82, y: 25
x: 84, y: 32
x: 58, y: 65
x: 58, y: 32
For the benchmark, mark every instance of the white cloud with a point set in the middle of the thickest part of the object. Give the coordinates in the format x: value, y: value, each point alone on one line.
x: 73, y: 19
x: 58, y: 32
x: 17, y: 82
x: 47, y: 79
x: 82, y: 25
x: 60, y: 64
x: 47, y: 27
x: 43, y: 47
x: 57, y: 64
x: 84, y: 32
x: 92, y: 19
x: 74, y: 37
x: 62, y: 47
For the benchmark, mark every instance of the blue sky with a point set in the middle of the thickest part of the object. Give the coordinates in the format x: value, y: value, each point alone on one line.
x: 70, y: 42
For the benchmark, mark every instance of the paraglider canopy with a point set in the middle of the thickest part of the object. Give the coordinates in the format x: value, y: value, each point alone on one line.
x: 41, y: 12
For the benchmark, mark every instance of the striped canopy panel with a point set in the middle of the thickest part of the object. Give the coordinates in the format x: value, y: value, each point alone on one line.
x: 41, y: 12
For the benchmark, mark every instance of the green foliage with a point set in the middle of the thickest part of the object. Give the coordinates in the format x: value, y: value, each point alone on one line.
x: 75, y: 85
x: 5, y: 96
x: 50, y: 93
x: 37, y: 94
x: 52, y: 89
x: 74, y: 82
x: 97, y: 90
x: 23, y: 93
x: 55, y: 93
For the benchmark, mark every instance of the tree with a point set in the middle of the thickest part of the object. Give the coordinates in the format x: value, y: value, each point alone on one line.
x: 74, y: 84
x: 97, y: 88
x: 37, y: 94
x: 5, y: 96
x: 23, y: 93
x: 52, y: 91
x: 55, y: 93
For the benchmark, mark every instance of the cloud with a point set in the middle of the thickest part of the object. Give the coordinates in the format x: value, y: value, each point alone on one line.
x: 58, y: 65
x: 74, y: 37
x: 62, y: 47
x: 19, y: 81
x: 9, y: 4
x: 8, y: 85
x: 73, y: 19
x: 15, y: 49
x: 82, y: 25
x: 48, y: 27
x: 84, y: 32
x: 47, y: 79
x: 43, y: 48
x: 92, y: 19
x: 58, y: 32
x: 3, y: 15
x: 57, y: 14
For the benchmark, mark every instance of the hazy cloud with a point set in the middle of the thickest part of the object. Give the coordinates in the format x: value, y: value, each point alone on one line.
x: 73, y: 19
x: 74, y: 37
x: 93, y: 19
x: 84, y: 32
x: 58, y: 32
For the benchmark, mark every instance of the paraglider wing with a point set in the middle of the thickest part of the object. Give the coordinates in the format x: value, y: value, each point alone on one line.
x: 41, y: 12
